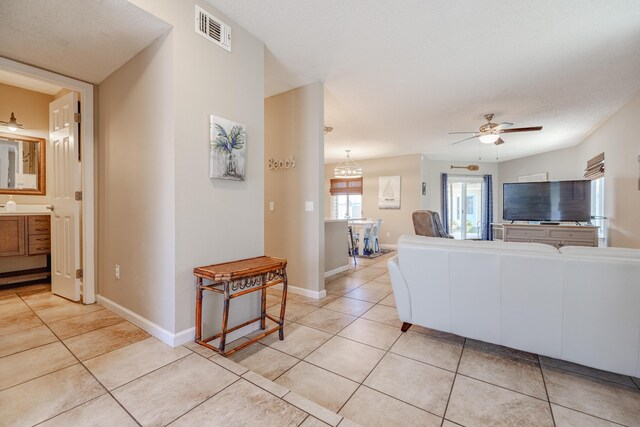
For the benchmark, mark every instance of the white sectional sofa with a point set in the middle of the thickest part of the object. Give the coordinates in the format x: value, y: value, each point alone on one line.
x: 577, y: 304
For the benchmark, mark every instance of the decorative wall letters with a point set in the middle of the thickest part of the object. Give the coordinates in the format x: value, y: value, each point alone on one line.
x: 287, y: 163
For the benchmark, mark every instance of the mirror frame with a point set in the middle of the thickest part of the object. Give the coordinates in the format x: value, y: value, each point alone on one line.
x: 42, y: 167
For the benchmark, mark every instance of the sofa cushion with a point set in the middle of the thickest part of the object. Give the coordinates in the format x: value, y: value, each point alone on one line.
x: 440, y: 241
x: 515, y: 246
x: 601, y: 252
x: 477, y: 244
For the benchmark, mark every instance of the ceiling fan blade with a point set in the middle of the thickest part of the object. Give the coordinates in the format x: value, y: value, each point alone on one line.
x: 529, y: 129
x: 462, y: 140
x: 456, y: 133
x: 499, y: 141
x: 503, y: 125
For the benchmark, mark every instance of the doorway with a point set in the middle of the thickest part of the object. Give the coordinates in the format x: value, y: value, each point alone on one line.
x: 84, y: 246
x: 465, y: 207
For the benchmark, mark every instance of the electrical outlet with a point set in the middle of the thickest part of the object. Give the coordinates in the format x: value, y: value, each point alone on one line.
x: 117, y: 272
x: 272, y: 206
x: 388, y: 234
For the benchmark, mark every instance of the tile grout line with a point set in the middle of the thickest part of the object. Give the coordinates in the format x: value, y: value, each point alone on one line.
x: 107, y: 391
x: 453, y: 383
x: 544, y: 382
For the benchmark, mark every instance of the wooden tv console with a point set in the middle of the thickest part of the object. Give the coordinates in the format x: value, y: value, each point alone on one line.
x: 554, y: 235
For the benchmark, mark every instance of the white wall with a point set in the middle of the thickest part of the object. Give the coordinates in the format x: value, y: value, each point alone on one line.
x: 294, y: 127
x: 618, y: 139
x: 186, y: 220
x: 561, y: 165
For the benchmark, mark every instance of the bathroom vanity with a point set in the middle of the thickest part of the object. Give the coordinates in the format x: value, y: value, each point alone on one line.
x: 23, y: 235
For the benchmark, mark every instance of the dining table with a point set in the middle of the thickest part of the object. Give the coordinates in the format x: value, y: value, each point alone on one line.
x: 361, y: 227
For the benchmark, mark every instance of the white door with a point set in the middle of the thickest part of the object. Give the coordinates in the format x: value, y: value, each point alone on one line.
x: 65, y: 220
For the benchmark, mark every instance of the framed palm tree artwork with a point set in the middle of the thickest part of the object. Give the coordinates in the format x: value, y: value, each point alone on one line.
x: 228, y: 149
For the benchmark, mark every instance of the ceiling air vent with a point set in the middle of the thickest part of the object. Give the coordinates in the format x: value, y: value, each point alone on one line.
x: 211, y: 28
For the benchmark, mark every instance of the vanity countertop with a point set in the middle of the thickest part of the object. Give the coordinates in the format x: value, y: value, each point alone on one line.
x: 26, y: 210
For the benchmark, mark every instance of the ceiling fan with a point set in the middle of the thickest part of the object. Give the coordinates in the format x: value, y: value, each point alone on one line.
x: 490, y: 132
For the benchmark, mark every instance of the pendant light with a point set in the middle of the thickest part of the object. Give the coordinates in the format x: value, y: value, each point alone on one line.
x: 12, y: 124
x: 347, y: 168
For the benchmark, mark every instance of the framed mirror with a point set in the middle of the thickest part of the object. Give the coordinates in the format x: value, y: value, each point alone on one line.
x: 22, y: 164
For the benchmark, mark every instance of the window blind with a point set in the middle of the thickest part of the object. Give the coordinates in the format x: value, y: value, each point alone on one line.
x: 595, y: 167
x: 345, y: 186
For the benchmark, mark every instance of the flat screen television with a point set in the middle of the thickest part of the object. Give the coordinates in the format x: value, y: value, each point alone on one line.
x: 547, y: 201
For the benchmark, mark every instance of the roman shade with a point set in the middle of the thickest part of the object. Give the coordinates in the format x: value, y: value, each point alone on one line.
x: 595, y: 167
x: 345, y: 186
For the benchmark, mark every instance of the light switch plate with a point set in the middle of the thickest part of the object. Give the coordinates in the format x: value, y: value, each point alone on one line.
x: 308, y: 206
x: 272, y: 206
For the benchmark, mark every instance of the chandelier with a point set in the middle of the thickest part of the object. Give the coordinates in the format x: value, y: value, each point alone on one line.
x: 347, y: 168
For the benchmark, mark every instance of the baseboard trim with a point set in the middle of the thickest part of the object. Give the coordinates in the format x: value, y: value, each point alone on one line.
x: 336, y: 270
x: 389, y: 246
x: 142, y: 322
x: 303, y: 291
x: 169, y: 338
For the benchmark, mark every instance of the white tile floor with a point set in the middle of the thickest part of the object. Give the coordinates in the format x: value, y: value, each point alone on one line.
x: 343, y: 356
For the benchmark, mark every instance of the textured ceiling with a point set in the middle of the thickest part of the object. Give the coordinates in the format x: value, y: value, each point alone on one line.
x: 83, y: 39
x: 399, y: 75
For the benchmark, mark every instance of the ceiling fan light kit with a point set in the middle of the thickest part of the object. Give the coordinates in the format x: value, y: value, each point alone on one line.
x: 489, y: 133
x: 489, y: 138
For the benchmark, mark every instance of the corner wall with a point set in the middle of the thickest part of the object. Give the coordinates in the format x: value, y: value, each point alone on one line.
x: 136, y: 174
x: 161, y: 214
x: 294, y: 127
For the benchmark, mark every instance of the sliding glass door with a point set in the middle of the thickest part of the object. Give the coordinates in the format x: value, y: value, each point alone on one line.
x: 465, y: 207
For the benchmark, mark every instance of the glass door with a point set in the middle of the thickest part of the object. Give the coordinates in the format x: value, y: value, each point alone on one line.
x: 465, y: 207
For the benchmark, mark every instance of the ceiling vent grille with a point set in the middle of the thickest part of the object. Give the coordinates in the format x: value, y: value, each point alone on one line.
x: 213, y: 29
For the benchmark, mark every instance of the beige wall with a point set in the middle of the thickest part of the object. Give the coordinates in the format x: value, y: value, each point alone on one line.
x: 618, y: 139
x: 32, y: 111
x: 184, y: 219
x: 294, y: 127
x: 395, y: 222
x: 136, y: 175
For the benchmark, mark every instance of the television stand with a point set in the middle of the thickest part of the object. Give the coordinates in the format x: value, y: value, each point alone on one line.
x: 554, y: 235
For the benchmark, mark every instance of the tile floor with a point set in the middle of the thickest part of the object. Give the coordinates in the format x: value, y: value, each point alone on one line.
x: 343, y: 356
x: 65, y: 364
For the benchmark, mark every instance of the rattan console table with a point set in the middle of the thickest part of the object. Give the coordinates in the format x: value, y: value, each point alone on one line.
x: 234, y: 279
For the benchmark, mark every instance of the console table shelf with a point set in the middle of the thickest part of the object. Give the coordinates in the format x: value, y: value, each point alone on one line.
x: 554, y: 235
x: 233, y: 280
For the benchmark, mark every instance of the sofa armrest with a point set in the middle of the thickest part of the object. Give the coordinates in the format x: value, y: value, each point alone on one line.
x: 400, y: 290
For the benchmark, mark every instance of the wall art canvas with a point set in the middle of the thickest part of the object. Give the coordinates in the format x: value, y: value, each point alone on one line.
x: 389, y: 192
x: 228, y: 149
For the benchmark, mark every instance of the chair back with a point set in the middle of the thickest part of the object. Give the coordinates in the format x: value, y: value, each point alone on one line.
x: 427, y: 223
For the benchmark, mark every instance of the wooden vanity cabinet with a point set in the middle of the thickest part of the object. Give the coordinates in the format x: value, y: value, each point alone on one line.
x: 39, y: 235
x: 12, y: 236
x: 25, y: 235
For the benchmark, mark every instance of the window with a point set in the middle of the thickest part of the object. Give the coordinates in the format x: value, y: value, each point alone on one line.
x: 465, y: 196
x: 597, y: 206
x: 346, y: 206
x: 346, y: 198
